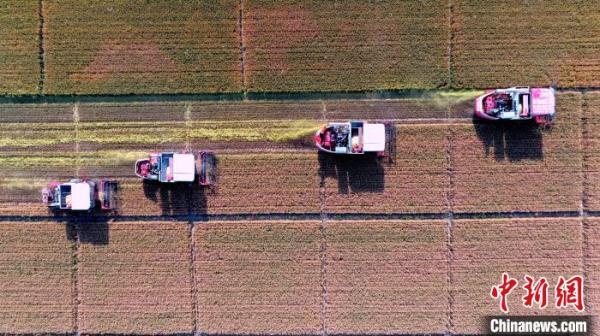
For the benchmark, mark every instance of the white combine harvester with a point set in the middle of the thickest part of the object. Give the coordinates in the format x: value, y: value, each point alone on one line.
x: 356, y: 137
x: 171, y: 167
x: 81, y: 195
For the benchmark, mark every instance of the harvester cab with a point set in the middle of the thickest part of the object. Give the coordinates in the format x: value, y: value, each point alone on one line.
x: 356, y: 137
x: 517, y: 103
x: 171, y: 167
x: 81, y: 195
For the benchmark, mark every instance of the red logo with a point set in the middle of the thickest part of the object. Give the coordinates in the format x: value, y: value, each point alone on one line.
x: 536, y: 292
x: 566, y: 293
x: 569, y: 292
x: 501, y: 291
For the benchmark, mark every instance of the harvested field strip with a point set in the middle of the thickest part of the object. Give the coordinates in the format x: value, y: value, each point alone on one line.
x: 592, y: 150
x: 258, y: 277
x: 415, y: 182
x: 592, y: 255
x: 386, y: 277
x: 519, y: 167
x: 35, y: 278
x: 19, y: 63
x: 484, y: 248
x: 142, y: 47
x: 134, y: 278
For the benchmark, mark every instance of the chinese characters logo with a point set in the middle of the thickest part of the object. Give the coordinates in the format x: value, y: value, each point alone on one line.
x: 567, y: 292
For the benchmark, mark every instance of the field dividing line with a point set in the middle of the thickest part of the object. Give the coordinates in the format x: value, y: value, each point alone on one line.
x: 194, y: 288
x: 73, y: 234
x: 187, y: 117
x: 41, y: 46
x: 324, y: 110
x: 323, y: 253
x: 242, y: 49
x: 449, y: 229
x: 77, y: 145
x: 585, y: 246
x: 450, y: 40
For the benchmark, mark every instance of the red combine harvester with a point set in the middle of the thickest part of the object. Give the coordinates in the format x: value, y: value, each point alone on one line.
x: 356, y: 137
x: 171, y: 167
x: 517, y: 103
x: 81, y: 195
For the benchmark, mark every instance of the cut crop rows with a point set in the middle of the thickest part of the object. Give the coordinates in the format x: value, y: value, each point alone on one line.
x: 592, y: 150
x: 35, y: 278
x: 258, y: 277
x: 501, y: 167
x: 134, y: 278
x: 386, y: 277
x: 484, y: 248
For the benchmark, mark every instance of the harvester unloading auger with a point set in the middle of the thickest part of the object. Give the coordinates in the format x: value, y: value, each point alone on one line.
x: 171, y: 167
x: 358, y: 137
x: 81, y: 195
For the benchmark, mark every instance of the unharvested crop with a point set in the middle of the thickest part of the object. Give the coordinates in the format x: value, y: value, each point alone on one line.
x: 507, y: 43
x: 332, y: 46
x: 19, y: 47
x: 122, y: 47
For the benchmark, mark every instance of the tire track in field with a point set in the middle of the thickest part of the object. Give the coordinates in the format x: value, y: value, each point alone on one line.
x: 451, y: 36
x: 41, y: 47
x: 73, y: 236
x: 242, y: 49
x: 585, y: 244
x: 449, y: 226
x: 323, y: 245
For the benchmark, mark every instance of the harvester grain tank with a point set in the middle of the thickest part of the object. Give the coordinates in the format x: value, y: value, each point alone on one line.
x: 81, y: 195
x: 172, y: 167
x: 517, y: 103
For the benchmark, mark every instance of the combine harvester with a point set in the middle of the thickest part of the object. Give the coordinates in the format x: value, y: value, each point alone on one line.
x: 517, y: 103
x: 81, y: 195
x: 357, y: 137
x: 171, y: 167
